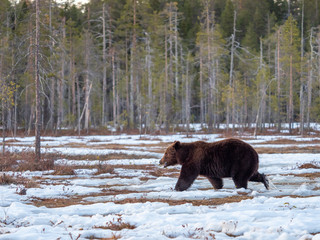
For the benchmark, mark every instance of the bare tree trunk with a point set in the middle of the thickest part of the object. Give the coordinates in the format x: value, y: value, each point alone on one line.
x: 114, y: 96
x: 291, y: 87
x: 262, y: 93
x: 127, y: 85
x: 301, y: 77
x: 87, y: 78
x: 150, y: 95
x: 231, y: 80
x: 133, y: 80
x: 210, y: 70
x: 310, y: 81
x: 78, y: 106
x: 61, y: 80
x: 37, y: 84
x: 104, y: 79
x: 2, y: 95
x: 87, y: 83
x: 187, y: 104
x: 165, y: 92
x: 201, y: 89
x: 52, y: 79
x: 176, y: 60
x: 73, y: 84
x: 279, y: 82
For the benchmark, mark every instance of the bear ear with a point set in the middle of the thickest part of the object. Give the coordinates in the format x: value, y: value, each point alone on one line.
x: 177, y: 145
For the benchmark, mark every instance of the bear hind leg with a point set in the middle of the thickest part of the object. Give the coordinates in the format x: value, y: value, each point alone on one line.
x: 260, y: 177
x: 217, y: 183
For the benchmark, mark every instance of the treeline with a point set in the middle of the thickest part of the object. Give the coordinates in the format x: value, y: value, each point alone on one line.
x: 155, y: 64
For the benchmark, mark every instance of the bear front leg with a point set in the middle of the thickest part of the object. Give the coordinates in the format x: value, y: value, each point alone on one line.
x: 187, y: 176
x: 217, y: 183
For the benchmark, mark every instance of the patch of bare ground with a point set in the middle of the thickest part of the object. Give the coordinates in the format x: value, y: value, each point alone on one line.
x: 290, y: 141
x: 79, y: 199
x: 309, y: 165
x: 172, y: 202
x: 159, y: 172
x: 57, y: 202
x: 307, y: 175
x: 112, y: 156
x: 25, y: 160
x: 75, y: 199
x: 295, y: 196
x: 135, y: 166
x: 291, y: 149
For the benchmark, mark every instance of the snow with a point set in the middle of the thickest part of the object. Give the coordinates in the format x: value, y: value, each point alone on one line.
x: 139, y: 194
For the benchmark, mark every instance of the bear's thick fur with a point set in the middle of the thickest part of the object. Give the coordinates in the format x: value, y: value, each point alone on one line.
x: 227, y: 158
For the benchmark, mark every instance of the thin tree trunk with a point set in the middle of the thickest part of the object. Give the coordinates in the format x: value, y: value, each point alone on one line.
x: 165, y: 92
x: 2, y: 94
x: 310, y: 81
x: 104, y: 79
x: 231, y: 80
x: 201, y: 90
x: 87, y: 83
x: 187, y: 104
x: 87, y: 78
x: 176, y: 60
x: 210, y: 70
x: 291, y: 87
x: 114, y: 96
x: 78, y: 106
x: 133, y: 80
x: 127, y: 85
x: 37, y: 84
x: 61, y: 80
x: 279, y: 83
x: 150, y: 96
x: 301, y: 78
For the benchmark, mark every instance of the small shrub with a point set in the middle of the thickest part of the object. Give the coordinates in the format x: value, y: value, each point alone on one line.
x: 64, y: 170
x: 104, y: 168
x: 6, y: 179
x: 117, y: 225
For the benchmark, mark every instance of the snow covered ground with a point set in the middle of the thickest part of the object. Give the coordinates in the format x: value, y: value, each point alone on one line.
x: 137, y: 201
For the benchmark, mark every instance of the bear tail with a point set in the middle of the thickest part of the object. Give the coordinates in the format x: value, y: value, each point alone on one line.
x: 260, y: 177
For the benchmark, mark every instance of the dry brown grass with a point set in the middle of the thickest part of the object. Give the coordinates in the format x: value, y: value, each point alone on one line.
x: 64, y: 170
x: 309, y: 165
x: 291, y: 149
x: 104, y: 168
x: 168, y: 172
x: 6, y: 179
x: 308, y: 175
x: 117, y: 225
x: 172, y: 202
x: 25, y: 160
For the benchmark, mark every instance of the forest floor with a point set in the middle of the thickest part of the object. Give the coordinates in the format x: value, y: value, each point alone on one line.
x: 111, y: 187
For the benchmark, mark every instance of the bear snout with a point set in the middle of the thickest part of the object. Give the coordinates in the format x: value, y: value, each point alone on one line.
x: 162, y: 162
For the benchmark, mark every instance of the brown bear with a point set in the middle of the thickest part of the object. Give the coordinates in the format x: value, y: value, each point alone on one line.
x: 227, y: 158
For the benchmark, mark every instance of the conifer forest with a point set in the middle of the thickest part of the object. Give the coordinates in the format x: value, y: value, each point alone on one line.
x: 157, y: 65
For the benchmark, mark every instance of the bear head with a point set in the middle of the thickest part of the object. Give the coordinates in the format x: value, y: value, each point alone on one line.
x: 170, y: 156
